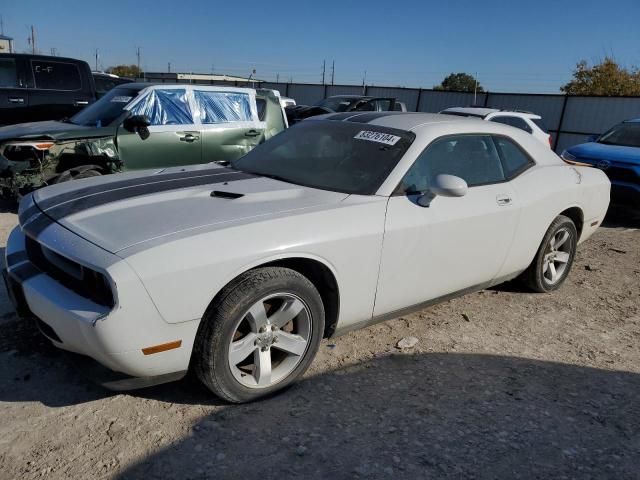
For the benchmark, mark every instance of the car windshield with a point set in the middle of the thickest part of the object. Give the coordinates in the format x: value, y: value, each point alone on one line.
x: 330, y: 155
x: 106, y: 110
x: 336, y: 104
x: 625, y: 134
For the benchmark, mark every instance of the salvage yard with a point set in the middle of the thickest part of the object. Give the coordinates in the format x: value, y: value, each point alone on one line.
x: 501, y: 383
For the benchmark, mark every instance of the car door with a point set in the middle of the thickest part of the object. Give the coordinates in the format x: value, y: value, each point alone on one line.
x: 175, y: 138
x: 58, y: 88
x: 14, y: 97
x: 229, y: 122
x: 454, y: 244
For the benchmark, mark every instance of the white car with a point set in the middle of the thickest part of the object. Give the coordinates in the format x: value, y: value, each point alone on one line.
x: 527, y: 121
x: 340, y: 222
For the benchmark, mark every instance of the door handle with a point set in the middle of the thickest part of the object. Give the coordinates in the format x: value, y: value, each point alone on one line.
x: 252, y: 133
x: 503, y: 200
x: 16, y: 100
x: 189, y: 138
x: 79, y: 103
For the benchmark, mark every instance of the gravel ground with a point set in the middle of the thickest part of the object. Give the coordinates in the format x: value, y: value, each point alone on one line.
x: 501, y: 384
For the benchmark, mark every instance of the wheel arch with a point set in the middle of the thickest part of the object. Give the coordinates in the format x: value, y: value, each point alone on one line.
x: 576, y: 215
x: 318, y: 271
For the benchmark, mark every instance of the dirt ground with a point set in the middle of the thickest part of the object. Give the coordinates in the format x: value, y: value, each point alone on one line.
x: 502, y: 384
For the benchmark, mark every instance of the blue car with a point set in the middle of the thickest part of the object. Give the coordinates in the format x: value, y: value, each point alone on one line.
x: 617, y: 153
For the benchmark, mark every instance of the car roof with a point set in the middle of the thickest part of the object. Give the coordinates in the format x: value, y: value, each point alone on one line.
x: 218, y: 88
x: 633, y: 120
x: 485, y: 111
x: 400, y: 120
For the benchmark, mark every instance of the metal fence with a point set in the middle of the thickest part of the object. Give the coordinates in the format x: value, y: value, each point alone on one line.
x: 570, y: 119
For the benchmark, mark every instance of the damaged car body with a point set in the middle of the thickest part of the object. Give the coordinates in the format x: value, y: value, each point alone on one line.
x: 139, y: 126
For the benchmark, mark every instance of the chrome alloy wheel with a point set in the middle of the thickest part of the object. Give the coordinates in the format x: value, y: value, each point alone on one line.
x: 557, y: 256
x: 270, y: 340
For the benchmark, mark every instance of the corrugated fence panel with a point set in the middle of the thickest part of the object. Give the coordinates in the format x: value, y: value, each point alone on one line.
x: 406, y: 95
x: 549, y: 107
x: 305, y: 94
x: 567, y: 140
x: 598, y: 114
x: 433, y: 101
x: 343, y: 90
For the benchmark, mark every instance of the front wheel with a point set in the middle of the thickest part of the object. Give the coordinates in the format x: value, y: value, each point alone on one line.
x: 259, y: 335
x: 554, y: 258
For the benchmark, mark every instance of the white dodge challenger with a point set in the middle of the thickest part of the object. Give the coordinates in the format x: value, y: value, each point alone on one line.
x: 239, y: 271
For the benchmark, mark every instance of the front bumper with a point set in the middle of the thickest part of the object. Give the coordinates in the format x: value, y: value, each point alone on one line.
x: 114, y: 337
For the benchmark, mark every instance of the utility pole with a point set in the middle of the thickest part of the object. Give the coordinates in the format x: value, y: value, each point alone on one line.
x: 324, y: 64
x: 32, y: 40
x: 475, y: 89
x: 333, y: 70
x: 96, y: 56
x: 168, y: 67
x: 138, y: 57
x: 53, y: 51
x: 277, y: 78
x: 2, y: 26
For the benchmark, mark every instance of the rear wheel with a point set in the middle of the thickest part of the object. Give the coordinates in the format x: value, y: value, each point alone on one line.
x: 554, y: 258
x: 260, y: 334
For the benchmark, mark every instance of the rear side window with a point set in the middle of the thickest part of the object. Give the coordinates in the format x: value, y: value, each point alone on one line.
x: 541, y: 125
x: 514, y: 159
x: 8, y: 73
x: 513, y: 121
x: 223, y: 107
x: 56, y: 75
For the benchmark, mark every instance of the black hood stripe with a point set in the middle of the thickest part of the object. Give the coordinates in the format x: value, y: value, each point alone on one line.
x: 128, y: 182
x: 85, y: 203
x: 102, y: 196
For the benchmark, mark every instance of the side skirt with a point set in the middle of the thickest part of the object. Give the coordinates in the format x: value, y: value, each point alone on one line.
x: 420, y: 306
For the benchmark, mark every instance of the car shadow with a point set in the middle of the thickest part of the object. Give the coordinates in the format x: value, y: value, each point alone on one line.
x: 622, y: 216
x: 422, y: 416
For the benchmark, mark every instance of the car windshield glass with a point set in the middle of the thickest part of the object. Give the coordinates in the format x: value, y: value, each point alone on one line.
x: 336, y: 104
x: 624, y: 134
x: 107, y: 109
x: 329, y: 155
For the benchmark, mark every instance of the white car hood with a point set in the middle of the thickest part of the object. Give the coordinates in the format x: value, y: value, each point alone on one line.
x: 120, y: 211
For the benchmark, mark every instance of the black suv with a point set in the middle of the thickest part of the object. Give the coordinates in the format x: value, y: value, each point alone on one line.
x: 39, y: 87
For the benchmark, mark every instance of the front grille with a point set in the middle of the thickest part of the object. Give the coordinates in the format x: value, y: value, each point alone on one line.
x: 78, y: 278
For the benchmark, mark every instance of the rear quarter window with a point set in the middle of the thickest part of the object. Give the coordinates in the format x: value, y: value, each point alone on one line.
x: 540, y: 124
x: 49, y: 75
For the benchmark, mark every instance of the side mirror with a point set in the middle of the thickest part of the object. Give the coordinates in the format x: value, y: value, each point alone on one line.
x: 139, y: 124
x: 593, y: 138
x: 445, y: 186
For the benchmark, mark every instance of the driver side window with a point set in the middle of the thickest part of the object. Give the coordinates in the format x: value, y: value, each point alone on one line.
x: 165, y: 107
x: 473, y: 158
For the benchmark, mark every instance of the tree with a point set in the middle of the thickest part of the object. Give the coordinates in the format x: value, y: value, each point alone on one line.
x: 606, y: 78
x: 460, y: 82
x: 131, y: 71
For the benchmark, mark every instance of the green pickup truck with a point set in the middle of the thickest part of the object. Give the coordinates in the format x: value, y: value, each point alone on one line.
x: 139, y: 126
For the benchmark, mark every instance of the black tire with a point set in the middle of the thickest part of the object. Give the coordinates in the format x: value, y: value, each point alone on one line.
x: 69, y: 175
x: 534, y: 277
x: 87, y: 174
x: 210, y: 359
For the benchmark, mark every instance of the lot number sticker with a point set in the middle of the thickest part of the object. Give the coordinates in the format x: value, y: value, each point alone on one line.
x: 379, y: 137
